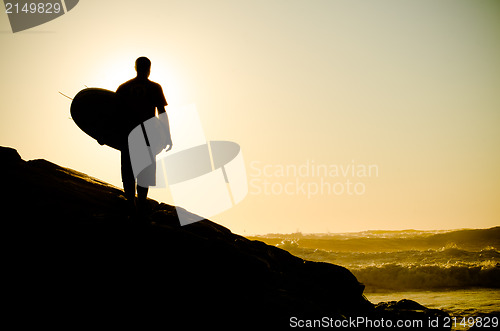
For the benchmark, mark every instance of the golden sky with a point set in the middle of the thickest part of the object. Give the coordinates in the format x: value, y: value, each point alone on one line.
x: 411, y: 87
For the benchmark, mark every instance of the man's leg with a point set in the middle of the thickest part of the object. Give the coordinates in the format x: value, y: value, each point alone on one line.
x: 142, y: 203
x: 128, y: 180
x: 142, y: 192
x: 145, y: 179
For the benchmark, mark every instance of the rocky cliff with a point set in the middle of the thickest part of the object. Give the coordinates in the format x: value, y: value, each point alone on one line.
x: 73, y: 257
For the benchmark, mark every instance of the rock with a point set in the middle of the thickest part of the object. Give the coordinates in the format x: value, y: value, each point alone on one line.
x: 403, y: 304
x: 412, y: 315
x: 73, y: 258
x: 9, y: 155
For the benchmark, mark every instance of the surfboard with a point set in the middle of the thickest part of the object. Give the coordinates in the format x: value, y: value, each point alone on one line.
x: 97, y: 113
x: 100, y: 114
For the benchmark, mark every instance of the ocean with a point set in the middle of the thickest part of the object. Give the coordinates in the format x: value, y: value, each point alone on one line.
x: 457, y: 271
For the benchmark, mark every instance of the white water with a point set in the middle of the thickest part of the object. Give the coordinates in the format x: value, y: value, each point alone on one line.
x: 456, y: 271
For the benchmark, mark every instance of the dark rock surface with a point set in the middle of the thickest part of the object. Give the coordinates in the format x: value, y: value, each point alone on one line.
x: 74, y: 258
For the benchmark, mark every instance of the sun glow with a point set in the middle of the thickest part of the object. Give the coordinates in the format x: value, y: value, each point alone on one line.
x: 118, y: 68
x: 408, y: 86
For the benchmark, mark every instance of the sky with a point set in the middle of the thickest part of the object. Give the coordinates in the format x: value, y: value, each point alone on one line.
x: 405, y: 93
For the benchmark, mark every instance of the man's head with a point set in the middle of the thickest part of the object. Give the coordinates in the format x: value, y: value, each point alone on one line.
x: 143, y: 67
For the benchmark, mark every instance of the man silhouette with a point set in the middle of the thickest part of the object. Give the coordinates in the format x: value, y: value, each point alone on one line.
x: 141, y: 97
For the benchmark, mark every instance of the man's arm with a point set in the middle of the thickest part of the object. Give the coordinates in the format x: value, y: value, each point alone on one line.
x: 162, y: 115
x: 161, y: 102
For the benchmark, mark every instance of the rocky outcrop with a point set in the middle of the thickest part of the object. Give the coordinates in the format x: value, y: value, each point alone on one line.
x: 73, y: 257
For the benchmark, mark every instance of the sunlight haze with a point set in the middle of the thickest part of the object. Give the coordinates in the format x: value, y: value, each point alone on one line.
x: 411, y: 87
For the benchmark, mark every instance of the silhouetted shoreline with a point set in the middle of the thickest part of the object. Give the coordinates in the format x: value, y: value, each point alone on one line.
x: 71, y: 244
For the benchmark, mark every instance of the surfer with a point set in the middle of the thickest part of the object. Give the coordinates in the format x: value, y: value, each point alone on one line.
x: 141, y: 97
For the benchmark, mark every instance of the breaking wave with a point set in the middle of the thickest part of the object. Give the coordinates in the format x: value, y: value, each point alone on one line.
x: 406, y: 260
